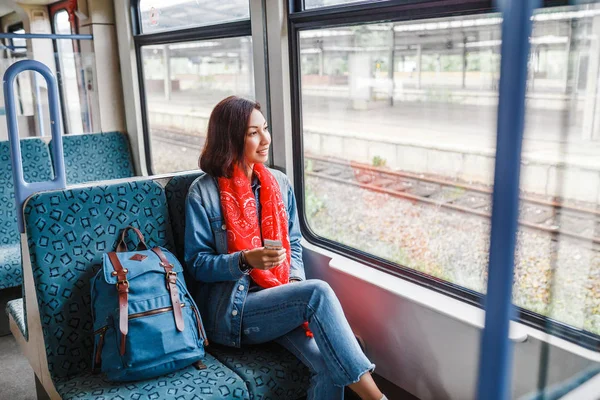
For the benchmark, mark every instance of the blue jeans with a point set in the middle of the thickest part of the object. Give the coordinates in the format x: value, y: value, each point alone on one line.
x: 333, y: 355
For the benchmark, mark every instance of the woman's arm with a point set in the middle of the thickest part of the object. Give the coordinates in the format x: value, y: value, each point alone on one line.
x: 296, y: 265
x: 201, y: 256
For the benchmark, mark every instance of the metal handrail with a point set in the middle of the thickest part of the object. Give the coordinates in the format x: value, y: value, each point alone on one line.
x: 25, y: 189
x: 44, y: 36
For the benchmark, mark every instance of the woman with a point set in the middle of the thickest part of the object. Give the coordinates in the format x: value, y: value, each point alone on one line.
x: 243, y: 286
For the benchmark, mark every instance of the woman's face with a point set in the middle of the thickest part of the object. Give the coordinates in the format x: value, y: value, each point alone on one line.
x: 258, y: 139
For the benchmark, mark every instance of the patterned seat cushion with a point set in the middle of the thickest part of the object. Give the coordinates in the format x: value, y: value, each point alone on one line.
x: 270, y: 371
x: 11, y: 273
x: 176, y: 192
x: 214, y: 382
x: 36, y: 168
x: 16, y: 310
x: 97, y: 157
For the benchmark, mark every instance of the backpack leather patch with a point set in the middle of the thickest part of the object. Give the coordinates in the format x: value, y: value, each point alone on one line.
x: 138, y: 257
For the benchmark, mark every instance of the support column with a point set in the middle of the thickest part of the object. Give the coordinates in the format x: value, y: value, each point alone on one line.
x: 590, y: 107
x: 130, y: 84
x: 38, y: 21
x: 392, y: 66
x: 101, y: 64
x: 321, y: 58
x: 359, y: 68
x: 464, y: 63
x: 259, y: 63
x: 567, y: 58
x: 419, y: 58
x: 167, y: 72
x: 570, y: 81
x: 247, y: 50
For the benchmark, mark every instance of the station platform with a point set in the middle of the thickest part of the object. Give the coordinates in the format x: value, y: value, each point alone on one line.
x: 453, y: 141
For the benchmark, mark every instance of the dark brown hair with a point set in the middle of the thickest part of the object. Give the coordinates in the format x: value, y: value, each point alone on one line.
x: 225, y: 138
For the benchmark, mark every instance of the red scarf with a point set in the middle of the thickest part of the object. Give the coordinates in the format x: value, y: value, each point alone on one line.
x: 244, y: 232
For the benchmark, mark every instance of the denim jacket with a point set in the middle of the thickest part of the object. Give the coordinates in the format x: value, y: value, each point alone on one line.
x: 223, y: 287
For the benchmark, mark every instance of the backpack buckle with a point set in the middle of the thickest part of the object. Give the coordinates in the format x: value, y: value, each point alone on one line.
x: 171, y: 278
x: 123, y: 282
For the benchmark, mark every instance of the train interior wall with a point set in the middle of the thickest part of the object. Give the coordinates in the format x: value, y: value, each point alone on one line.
x: 427, y: 343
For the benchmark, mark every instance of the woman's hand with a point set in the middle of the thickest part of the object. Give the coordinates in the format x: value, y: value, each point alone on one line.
x: 261, y: 258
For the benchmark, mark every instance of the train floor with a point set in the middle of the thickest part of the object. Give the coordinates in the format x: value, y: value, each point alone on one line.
x: 17, y: 381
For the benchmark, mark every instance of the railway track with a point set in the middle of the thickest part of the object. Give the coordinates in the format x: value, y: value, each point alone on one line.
x: 553, y: 217
x: 581, y: 222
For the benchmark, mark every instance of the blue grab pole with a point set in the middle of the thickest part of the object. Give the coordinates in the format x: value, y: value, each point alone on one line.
x: 24, y: 189
x: 496, y: 352
x: 44, y: 36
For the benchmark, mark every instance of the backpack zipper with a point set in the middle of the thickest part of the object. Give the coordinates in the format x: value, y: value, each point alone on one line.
x: 170, y: 309
x: 98, y: 355
x: 102, y: 331
x: 153, y: 312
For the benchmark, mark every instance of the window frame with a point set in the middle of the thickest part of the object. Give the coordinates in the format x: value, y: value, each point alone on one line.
x: 13, y: 28
x: 402, y: 10
x: 69, y: 6
x: 55, y: 9
x: 205, y: 32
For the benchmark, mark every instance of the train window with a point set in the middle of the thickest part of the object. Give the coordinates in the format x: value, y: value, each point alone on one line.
x: 183, y: 82
x: 557, y: 264
x: 17, y: 50
x: 377, y: 171
x: 399, y: 133
x: 19, y: 45
x: 158, y: 15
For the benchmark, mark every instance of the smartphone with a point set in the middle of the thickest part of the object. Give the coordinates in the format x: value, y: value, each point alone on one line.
x: 272, y: 244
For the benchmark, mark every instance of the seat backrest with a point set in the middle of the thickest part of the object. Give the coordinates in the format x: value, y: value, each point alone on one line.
x: 36, y: 168
x: 176, y: 191
x: 68, y: 231
x: 95, y: 157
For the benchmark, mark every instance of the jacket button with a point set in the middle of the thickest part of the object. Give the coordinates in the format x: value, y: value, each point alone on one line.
x: 224, y: 227
x: 241, y: 287
x: 234, y: 313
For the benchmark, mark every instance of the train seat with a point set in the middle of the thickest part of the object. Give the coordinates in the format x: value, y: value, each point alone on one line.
x: 67, y: 233
x: 16, y: 311
x: 215, y: 382
x: 269, y: 370
x: 88, y: 157
x: 92, y: 157
x: 36, y: 168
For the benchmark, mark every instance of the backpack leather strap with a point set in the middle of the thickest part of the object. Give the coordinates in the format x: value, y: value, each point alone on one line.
x: 171, y: 278
x: 123, y: 290
x: 121, y: 247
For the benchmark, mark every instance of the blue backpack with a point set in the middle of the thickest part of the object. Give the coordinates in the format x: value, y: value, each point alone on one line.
x: 146, y: 323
